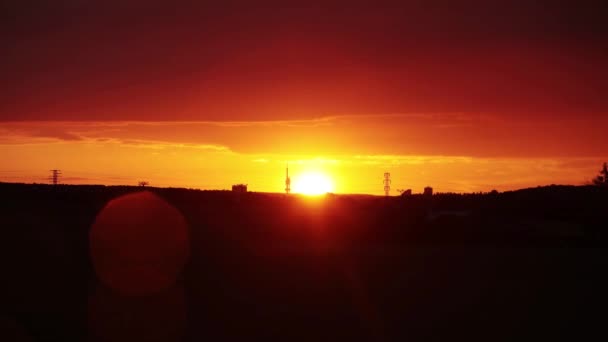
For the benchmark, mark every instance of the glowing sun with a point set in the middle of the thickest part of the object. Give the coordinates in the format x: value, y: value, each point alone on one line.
x: 313, y: 183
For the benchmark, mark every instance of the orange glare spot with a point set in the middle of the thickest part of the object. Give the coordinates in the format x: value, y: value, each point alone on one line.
x: 139, y: 244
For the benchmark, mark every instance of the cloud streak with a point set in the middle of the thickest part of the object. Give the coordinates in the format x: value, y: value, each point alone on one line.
x: 438, y: 134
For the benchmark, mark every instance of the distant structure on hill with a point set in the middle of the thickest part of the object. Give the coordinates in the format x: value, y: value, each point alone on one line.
x: 239, y: 188
x: 143, y: 183
x: 287, y: 180
x: 54, y: 178
x: 602, y: 178
x: 387, y: 183
x: 428, y: 191
x: 406, y: 193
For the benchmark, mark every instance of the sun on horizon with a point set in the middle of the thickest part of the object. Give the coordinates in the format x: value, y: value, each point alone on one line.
x: 313, y: 183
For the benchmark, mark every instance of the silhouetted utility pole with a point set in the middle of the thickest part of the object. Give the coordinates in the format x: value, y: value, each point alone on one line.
x: 387, y: 183
x: 55, y: 174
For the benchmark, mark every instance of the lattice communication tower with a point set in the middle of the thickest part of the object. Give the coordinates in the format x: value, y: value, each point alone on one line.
x: 287, y: 181
x: 387, y: 183
x: 55, y: 174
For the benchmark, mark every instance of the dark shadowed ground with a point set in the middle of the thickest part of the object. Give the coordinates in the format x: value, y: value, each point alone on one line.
x: 528, y: 264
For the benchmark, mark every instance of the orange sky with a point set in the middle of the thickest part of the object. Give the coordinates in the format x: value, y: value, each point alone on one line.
x: 462, y: 154
x: 461, y: 95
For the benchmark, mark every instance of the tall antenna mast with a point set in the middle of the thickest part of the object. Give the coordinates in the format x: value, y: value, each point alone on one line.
x: 387, y: 183
x: 55, y: 174
x: 287, y: 180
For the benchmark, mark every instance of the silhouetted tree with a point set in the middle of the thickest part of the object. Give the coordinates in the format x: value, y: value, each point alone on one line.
x: 602, y: 178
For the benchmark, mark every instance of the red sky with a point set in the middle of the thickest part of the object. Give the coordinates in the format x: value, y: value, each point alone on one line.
x: 499, y: 82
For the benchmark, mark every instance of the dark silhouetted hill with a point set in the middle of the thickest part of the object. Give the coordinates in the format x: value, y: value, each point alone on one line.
x: 525, y: 264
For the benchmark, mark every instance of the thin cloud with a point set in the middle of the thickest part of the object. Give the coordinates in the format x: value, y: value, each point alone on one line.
x: 411, y: 160
x: 440, y: 134
x: 156, y: 144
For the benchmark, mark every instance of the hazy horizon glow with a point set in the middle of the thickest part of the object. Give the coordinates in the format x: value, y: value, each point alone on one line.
x: 215, y: 155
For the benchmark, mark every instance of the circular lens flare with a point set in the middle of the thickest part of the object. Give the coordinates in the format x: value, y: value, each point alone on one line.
x: 313, y: 183
x: 139, y: 244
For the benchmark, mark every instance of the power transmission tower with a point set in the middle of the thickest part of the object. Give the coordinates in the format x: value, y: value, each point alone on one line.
x: 55, y: 174
x: 387, y: 183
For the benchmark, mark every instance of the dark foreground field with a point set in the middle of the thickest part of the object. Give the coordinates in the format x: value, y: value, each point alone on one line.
x: 527, y: 265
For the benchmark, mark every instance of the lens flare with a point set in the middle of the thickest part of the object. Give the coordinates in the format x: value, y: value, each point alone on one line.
x: 139, y: 244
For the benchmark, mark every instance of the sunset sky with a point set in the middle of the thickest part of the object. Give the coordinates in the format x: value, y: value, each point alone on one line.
x: 463, y: 96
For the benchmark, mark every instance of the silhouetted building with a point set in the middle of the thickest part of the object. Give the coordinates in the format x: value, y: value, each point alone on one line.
x: 428, y: 191
x: 239, y: 188
x: 406, y: 193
